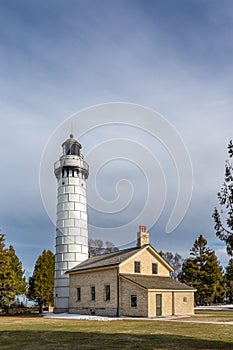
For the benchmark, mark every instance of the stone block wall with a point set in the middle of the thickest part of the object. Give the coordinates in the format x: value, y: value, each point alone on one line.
x: 127, y: 290
x: 99, y: 280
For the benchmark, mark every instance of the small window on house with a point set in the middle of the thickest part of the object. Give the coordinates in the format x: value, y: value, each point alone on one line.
x: 154, y: 268
x: 92, y: 293
x: 137, y: 266
x: 107, y: 292
x: 78, y: 294
x: 133, y: 300
x: 185, y: 300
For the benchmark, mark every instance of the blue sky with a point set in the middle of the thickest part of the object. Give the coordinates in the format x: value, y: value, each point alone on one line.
x: 58, y: 57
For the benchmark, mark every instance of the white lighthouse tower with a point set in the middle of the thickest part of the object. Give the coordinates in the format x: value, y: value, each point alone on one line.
x: 71, y: 172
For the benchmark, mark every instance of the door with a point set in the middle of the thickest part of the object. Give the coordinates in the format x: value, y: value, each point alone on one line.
x: 158, y: 304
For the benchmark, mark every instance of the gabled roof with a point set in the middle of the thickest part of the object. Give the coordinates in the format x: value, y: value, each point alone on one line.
x: 163, y: 261
x: 156, y: 282
x: 116, y: 258
x: 106, y: 260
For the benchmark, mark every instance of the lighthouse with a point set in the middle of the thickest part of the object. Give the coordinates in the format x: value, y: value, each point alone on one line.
x: 71, y: 172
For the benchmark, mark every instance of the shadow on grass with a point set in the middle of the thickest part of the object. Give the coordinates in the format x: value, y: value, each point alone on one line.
x: 49, y: 340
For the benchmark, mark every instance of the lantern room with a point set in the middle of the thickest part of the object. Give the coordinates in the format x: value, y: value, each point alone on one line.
x: 71, y: 146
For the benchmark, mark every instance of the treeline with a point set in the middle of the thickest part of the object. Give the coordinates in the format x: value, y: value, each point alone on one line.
x: 200, y: 270
x: 97, y: 247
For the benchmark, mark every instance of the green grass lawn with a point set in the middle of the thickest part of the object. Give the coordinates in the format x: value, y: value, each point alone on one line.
x: 37, y: 333
x: 214, y: 315
x: 218, y: 313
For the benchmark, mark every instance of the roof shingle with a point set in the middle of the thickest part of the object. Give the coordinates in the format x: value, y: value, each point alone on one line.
x: 157, y: 282
x: 104, y: 260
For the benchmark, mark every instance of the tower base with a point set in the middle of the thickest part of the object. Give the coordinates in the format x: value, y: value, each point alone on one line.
x: 61, y: 305
x: 60, y: 310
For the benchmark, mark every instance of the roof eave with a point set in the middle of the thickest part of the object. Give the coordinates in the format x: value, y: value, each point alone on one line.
x: 162, y: 260
x: 170, y: 290
x: 92, y: 269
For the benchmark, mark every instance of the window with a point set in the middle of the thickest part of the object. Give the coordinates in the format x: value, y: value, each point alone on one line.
x: 92, y: 293
x: 107, y: 292
x: 154, y: 268
x: 133, y: 300
x: 185, y: 300
x: 78, y: 294
x: 137, y: 266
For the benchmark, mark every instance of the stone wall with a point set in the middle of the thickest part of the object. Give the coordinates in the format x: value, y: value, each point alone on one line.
x: 126, y: 290
x: 99, y: 280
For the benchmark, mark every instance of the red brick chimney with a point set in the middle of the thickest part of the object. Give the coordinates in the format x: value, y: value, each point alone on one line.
x: 142, y: 236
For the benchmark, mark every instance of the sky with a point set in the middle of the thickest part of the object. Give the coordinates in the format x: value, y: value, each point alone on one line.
x: 61, y: 57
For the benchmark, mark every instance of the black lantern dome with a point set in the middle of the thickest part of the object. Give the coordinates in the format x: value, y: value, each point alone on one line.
x: 71, y: 146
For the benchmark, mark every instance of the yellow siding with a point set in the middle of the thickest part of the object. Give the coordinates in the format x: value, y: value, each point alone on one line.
x: 172, y: 303
x: 166, y: 303
x: 146, y: 259
x: 181, y: 307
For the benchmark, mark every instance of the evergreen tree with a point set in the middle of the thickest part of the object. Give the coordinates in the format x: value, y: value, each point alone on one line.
x: 224, y: 219
x: 203, y: 272
x: 16, y: 266
x: 6, y: 278
x: 41, y: 284
x: 229, y: 280
x: 12, y: 281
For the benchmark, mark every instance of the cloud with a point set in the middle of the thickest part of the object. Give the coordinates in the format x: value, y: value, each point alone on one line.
x: 57, y: 58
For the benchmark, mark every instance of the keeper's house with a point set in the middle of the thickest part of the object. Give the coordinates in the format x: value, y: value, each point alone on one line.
x: 129, y: 282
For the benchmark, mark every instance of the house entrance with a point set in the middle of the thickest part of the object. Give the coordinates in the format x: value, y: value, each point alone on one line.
x: 158, y: 304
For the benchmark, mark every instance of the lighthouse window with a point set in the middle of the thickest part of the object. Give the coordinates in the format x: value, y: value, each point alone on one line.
x: 72, y: 149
